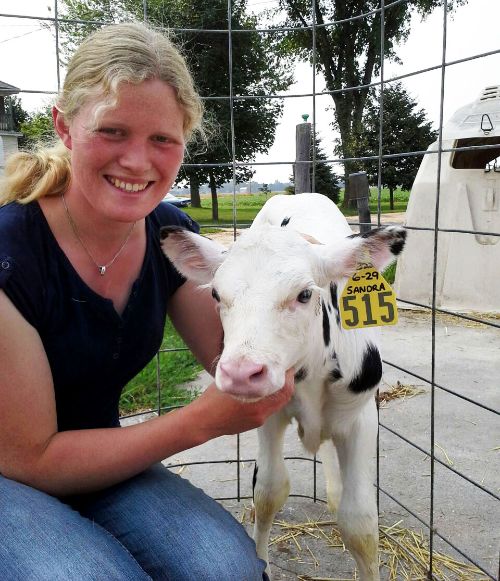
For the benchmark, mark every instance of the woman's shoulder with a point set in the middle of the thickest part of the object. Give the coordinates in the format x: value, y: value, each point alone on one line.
x: 166, y: 214
x: 22, y: 248
x: 20, y: 225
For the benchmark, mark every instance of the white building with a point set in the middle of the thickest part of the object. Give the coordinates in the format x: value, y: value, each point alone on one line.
x: 468, y: 265
x: 8, y: 137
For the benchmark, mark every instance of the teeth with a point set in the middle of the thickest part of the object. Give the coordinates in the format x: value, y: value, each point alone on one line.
x: 128, y: 187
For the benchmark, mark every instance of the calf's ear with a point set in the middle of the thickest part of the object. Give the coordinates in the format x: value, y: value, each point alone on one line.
x: 194, y: 256
x: 336, y: 261
x: 382, y: 245
x: 377, y: 248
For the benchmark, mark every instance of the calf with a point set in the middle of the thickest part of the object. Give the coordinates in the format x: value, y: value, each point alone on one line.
x: 277, y: 289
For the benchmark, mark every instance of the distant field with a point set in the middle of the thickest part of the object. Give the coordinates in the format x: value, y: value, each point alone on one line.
x: 248, y: 205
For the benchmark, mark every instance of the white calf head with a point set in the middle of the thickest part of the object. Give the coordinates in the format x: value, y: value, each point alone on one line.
x: 268, y: 287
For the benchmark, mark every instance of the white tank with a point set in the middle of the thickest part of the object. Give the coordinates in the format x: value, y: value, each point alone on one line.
x: 468, y: 265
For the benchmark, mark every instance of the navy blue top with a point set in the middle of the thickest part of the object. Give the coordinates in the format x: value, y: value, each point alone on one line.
x: 93, y: 352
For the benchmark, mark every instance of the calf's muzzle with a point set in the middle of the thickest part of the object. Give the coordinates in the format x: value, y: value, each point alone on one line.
x: 243, y: 378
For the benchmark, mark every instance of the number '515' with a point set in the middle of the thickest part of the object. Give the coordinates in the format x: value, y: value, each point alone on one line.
x: 368, y: 314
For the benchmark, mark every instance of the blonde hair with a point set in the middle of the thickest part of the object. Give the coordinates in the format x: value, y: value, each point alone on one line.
x: 107, y: 58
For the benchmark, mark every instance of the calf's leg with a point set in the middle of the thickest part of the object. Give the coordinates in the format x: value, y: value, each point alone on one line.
x: 357, y: 515
x: 271, y: 482
x: 331, y: 470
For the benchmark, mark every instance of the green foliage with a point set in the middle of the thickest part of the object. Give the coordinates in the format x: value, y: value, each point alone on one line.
x: 247, y: 207
x: 38, y: 128
x: 175, y: 368
x: 13, y: 103
x: 325, y: 181
x: 265, y: 189
x: 348, y: 53
x: 19, y: 115
x: 405, y: 129
x: 400, y: 198
x: 390, y: 273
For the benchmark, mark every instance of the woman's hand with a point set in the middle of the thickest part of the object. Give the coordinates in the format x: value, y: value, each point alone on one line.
x: 221, y: 414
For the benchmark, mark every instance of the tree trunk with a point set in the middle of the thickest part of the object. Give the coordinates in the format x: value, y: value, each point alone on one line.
x: 391, y: 198
x: 344, y: 126
x: 215, y: 201
x: 194, y: 185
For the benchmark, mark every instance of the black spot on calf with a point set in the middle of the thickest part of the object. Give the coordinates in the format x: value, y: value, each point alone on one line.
x: 335, y: 375
x: 254, y: 479
x: 285, y: 221
x: 370, y: 372
x: 326, y: 325
x: 335, y: 302
x: 398, y: 245
x: 301, y: 374
x: 166, y: 230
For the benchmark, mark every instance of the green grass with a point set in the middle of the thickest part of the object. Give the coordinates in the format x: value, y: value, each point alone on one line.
x: 175, y: 368
x: 401, y: 198
x: 247, y: 207
x: 390, y: 273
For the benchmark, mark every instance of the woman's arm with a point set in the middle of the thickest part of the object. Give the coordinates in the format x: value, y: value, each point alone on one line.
x: 61, y: 463
x: 194, y: 314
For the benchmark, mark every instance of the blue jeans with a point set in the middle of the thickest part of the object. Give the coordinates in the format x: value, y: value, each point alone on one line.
x: 154, y: 526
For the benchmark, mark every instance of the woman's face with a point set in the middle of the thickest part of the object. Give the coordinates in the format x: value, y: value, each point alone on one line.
x: 123, y: 166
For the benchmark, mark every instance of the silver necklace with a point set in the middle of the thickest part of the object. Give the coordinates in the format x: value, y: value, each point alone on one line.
x: 100, y: 267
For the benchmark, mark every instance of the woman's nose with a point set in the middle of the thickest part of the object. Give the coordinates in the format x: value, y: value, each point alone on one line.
x: 135, y: 158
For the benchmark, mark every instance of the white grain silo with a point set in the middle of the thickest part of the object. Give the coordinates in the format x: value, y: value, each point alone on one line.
x: 468, y: 265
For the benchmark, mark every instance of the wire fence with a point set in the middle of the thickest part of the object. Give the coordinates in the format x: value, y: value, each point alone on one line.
x: 388, y: 433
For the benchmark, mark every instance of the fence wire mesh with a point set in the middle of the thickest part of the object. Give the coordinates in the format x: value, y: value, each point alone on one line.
x: 437, y: 463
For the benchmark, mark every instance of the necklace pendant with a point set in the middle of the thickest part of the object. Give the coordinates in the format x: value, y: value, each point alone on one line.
x: 102, y: 270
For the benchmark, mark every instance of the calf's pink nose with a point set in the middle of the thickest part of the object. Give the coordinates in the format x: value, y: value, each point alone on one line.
x: 243, y: 377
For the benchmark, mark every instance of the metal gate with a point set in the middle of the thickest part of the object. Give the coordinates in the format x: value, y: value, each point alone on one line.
x: 425, y: 465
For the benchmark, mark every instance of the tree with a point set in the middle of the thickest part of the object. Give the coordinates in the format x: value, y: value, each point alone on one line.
x: 325, y: 180
x: 256, y: 71
x: 38, y: 128
x: 19, y: 115
x: 265, y: 189
x: 405, y: 129
x: 348, y: 52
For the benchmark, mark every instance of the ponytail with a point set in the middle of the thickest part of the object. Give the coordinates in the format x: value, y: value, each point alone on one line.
x: 32, y: 175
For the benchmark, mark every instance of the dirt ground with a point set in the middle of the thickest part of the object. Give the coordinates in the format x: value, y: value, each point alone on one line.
x: 467, y: 361
x: 304, y: 544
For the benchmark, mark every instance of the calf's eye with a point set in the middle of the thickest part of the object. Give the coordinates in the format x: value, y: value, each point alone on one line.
x: 216, y: 296
x: 304, y: 296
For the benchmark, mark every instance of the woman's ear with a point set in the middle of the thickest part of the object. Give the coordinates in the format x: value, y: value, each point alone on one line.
x: 62, y: 129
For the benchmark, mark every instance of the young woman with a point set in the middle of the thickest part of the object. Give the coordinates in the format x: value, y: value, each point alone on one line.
x: 84, y: 292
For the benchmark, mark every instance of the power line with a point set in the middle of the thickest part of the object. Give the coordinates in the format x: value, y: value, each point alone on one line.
x: 20, y: 35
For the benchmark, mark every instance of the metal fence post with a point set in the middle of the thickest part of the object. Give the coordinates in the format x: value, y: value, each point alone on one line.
x: 360, y: 191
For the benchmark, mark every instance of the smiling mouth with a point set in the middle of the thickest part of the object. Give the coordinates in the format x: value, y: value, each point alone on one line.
x: 127, y: 186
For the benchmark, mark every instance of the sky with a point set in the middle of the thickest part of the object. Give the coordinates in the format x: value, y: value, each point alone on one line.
x: 28, y: 61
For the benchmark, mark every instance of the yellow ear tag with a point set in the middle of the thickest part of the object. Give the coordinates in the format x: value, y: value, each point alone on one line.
x: 367, y: 301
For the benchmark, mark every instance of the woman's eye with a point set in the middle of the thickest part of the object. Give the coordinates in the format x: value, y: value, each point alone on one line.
x: 304, y: 296
x: 110, y: 131
x: 216, y: 296
x: 162, y: 139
